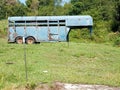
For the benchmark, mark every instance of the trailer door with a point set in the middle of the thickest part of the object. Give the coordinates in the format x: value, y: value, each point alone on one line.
x: 53, y: 31
x: 53, y: 34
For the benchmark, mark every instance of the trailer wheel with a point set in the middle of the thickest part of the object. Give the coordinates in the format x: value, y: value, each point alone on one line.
x: 19, y: 40
x: 30, y: 40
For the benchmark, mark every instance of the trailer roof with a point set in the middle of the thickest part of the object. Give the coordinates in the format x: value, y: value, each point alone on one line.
x: 26, y: 18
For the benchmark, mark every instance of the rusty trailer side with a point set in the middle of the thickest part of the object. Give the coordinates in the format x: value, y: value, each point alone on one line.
x: 45, y: 28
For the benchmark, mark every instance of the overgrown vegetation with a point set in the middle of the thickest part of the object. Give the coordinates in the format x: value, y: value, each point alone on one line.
x: 106, y: 19
x: 85, y: 63
x: 3, y: 28
x: 116, y: 18
x: 49, y: 62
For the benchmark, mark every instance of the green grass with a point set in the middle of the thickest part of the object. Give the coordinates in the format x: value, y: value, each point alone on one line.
x: 3, y: 28
x: 85, y: 63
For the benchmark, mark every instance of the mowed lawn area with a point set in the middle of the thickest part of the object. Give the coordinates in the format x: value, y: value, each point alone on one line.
x: 84, y: 63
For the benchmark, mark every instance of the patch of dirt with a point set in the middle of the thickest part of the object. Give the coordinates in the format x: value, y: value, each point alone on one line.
x: 66, y: 86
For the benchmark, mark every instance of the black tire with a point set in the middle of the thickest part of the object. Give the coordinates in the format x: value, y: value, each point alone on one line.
x: 30, y: 40
x: 19, y: 40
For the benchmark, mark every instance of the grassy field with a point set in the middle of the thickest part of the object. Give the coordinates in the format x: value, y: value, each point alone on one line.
x: 85, y: 63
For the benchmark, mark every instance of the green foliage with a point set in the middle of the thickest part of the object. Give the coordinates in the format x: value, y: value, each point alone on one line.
x: 28, y: 3
x: 116, y: 38
x: 97, y: 8
x: 115, y: 25
x: 79, y: 35
x: 102, y: 16
x: 2, y: 9
x: 11, y: 8
x: 3, y: 28
x: 77, y: 8
x: 46, y: 11
x: 113, y: 36
x: 19, y: 10
x: 117, y: 42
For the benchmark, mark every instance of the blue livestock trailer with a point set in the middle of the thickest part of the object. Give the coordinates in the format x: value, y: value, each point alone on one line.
x: 45, y: 28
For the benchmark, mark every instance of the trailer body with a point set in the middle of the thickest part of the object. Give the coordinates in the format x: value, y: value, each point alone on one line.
x: 45, y: 28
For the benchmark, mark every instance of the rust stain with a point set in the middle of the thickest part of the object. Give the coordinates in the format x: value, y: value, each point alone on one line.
x: 9, y: 32
x: 14, y: 35
x: 49, y: 35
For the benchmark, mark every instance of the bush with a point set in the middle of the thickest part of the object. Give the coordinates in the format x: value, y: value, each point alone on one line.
x: 3, y: 28
x: 117, y: 42
x: 113, y: 36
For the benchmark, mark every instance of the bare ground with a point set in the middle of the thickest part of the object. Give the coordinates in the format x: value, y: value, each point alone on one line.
x: 66, y: 86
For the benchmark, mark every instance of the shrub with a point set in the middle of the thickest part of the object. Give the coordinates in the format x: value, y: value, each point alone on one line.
x: 117, y: 42
x: 113, y: 36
